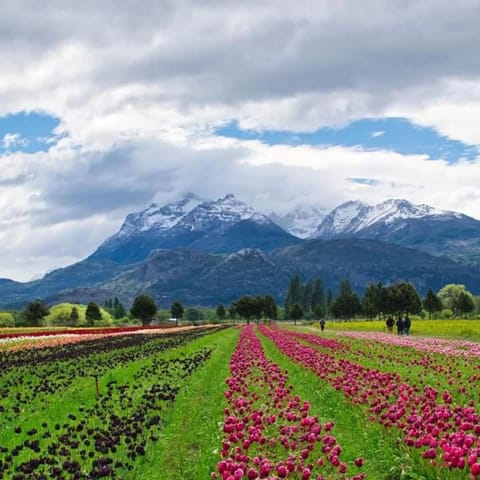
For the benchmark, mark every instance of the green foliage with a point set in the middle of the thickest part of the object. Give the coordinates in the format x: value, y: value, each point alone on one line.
x: 176, y: 310
x: 6, y: 319
x: 144, y: 309
x: 347, y: 304
x: 193, y: 315
x: 270, y: 308
x: 449, y: 294
x: 309, y: 295
x: 35, y: 312
x: 296, y: 312
x: 92, y: 313
x: 432, y: 303
x: 464, y: 304
x: 221, y: 313
x: 61, y: 315
x: 248, y: 307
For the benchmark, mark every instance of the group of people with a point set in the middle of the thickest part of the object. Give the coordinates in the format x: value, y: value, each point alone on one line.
x: 403, y: 325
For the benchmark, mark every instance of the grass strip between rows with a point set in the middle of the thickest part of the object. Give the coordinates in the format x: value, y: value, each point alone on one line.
x: 188, y: 447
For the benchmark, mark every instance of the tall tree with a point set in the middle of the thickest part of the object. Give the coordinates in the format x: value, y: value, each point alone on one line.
x: 432, y: 303
x: 306, y: 296
x: 270, y: 308
x: 449, y: 295
x: 246, y: 307
x: 318, y: 298
x: 118, y: 309
x: 92, y: 313
x: 347, y: 304
x: 176, y: 311
x: 328, y: 302
x: 370, y: 303
x: 464, y: 304
x: 296, y: 312
x: 294, y: 294
x: 34, y: 313
x: 74, y: 317
x: 221, y: 313
x: 144, y: 309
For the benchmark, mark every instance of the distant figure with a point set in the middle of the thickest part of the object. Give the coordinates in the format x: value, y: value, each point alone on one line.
x: 406, y: 325
x: 322, y: 324
x: 390, y: 323
x: 400, y: 325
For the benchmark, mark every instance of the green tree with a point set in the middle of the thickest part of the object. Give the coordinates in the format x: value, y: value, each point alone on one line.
x: 144, y: 308
x: 370, y: 302
x: 246, y: 307
x: 34, y: 313
x: 347, y: 304
x: 221, y: 313
x: 74, y: 317
x: 307, y: 292
x: 464, y: 304
x: 318, y: 298
x: 232, y: 311
x: 118, y: 309
x: 92, y: 313
x: 329, y: 302
x: 450, y: 296
x: 432, y: 303
x: 176, y: 311
x: 294, y: 294
x: 270, y: 308
x: 296, y: 312
x: 193, y: 315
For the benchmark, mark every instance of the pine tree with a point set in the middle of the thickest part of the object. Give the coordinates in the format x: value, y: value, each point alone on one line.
x: 92, y: 313
x: 432, y: 302
x: 318, y: 298
x: 293, y: 295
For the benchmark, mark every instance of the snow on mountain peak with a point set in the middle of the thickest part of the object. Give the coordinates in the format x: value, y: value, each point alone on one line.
x: 159, y: 218
x: 222, y: 213
x: 301, y: 221
x: 353, y: 217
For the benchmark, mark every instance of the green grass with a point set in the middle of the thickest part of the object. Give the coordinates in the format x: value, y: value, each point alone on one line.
x: 189, y: 445
x: 453, y: 328
x: 149, y: 369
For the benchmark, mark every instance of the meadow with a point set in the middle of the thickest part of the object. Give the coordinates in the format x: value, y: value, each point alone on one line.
x: 243, y: 402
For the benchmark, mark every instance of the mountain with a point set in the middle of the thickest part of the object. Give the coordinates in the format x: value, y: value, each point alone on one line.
x: 203, y: 278
x: 220, y: 226
x: 422, y: 227
x: 301, y: 221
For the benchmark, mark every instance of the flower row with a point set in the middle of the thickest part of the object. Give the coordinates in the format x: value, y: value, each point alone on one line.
x: 268, y: 431
x: 445, y: 433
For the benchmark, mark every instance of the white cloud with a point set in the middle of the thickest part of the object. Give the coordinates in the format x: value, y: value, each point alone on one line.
x: 12, y: 140
x: 139, y: 92
x: 378, y: 133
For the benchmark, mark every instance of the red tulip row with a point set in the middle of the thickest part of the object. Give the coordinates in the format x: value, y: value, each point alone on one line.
x: 269, y: 432
x: 447, y: 434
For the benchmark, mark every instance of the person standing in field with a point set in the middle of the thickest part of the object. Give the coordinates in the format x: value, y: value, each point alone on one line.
x: 390, y: 323
x: 322, y: 324
x: 400, y: 325
x: 406, y: 325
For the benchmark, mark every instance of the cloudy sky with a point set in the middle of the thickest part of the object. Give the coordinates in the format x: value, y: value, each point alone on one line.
x: 108, y: 106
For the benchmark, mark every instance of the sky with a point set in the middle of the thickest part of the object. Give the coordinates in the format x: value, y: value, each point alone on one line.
x: 106, y: 107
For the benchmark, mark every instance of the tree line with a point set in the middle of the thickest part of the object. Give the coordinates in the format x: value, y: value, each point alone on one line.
x: 378, y: 300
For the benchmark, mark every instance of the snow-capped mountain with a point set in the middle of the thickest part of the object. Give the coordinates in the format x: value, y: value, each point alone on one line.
x: 220, y: 214
x: 159, y: 218
x: 301, y: 221
x: 223, y: 225
x: 354, y: 218
x: 425, y: 228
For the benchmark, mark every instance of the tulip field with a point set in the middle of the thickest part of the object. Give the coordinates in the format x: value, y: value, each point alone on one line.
x: 245, y: 402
